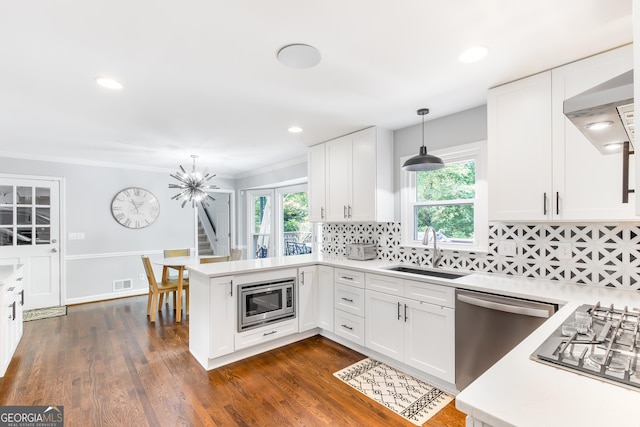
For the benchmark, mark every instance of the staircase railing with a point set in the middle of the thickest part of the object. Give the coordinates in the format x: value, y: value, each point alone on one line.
x: 207, y: 224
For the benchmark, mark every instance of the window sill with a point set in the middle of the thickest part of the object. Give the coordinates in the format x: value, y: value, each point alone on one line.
x: 448, y: 247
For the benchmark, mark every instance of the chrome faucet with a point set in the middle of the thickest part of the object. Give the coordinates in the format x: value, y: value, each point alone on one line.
x: 437, y: 253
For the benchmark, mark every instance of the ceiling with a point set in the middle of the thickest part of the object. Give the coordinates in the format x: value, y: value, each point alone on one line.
x: 201, y: 76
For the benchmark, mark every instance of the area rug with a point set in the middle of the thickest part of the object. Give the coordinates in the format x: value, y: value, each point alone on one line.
x: 409, y: 397
x: 44, y: 313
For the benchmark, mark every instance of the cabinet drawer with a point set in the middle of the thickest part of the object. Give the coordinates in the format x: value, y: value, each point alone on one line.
x: 349, y: 299
x: 349, y: 277
x: 428, y: 292
x: 265, y: 334
x: 349, y: 326
x: 385, y: 284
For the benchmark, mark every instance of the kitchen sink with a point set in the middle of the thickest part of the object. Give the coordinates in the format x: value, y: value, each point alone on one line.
x: 423, y: 272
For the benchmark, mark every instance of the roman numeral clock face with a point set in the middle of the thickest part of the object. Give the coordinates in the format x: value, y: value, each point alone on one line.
x: 135, y: 207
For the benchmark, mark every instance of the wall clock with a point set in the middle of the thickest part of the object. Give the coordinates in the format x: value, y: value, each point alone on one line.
x: 135, y: 207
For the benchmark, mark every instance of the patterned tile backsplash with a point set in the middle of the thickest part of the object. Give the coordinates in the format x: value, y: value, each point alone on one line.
x: 596, y: 254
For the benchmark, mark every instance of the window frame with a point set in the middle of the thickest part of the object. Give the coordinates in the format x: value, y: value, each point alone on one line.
x: 473, y: 151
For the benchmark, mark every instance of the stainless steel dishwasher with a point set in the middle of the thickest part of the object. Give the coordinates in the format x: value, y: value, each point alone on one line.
x: 488, y: 326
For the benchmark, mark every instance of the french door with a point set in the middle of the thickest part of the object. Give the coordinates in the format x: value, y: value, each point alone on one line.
x: 279, y: 222
x: 30, y: 235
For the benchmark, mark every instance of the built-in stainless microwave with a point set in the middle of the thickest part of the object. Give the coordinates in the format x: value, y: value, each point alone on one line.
x: 266, y: 302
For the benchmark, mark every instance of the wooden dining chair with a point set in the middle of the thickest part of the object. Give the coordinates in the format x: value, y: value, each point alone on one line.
x: 209, y: 260
x: 158, y: 290
x: 169, y: 253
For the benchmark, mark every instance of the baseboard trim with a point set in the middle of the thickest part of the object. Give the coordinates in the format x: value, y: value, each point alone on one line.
x: 105, y: 297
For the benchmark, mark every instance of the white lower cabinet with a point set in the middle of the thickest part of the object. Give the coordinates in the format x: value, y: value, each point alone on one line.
x: 222, y: 316
x: 325, y: 297
x: 307, y: 309
x: 429, y: 339
x: 265, y: 334
x: 11, y: 324
x: 414, y: 332
x: 349, y: 326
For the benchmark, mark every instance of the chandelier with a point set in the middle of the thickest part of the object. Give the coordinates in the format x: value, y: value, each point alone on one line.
x: 193, y: 185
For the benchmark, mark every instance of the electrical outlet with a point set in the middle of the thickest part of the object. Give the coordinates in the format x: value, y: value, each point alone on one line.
x: 141, y: 276
x: 508, y: 248
x: 565, y: 250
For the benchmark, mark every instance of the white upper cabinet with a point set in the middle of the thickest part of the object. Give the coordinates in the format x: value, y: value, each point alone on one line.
x: 540, y: 166
x: 519, y: 149
x: 316, y: 186
x: 358, y: 178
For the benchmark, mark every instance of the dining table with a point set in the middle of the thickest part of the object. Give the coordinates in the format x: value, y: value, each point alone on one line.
x: 179, y: 263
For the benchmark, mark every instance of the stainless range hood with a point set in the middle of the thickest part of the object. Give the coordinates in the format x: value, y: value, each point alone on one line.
x: 609, y: 104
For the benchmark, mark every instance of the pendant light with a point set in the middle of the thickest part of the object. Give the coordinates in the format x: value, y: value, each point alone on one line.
x: 193, y: 186
x: 423, y: 161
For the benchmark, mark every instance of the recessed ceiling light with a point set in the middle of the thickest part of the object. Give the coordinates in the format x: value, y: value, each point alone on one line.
x: 473, y: 54
x: 295, y: 129
x: 599, y: 125
x: 613, y: 146
x: 109, y: 83
x: 299, y: 56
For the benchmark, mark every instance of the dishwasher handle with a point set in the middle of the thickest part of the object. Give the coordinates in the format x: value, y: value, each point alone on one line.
x: 492, y: 305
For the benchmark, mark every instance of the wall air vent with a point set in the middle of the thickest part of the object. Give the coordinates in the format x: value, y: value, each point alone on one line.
x: 122, y: 285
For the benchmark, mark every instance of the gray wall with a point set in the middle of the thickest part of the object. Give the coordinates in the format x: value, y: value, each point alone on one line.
x: 109, y: 251
x: 456, y: 129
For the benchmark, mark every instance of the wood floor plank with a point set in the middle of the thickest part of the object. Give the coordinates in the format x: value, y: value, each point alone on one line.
x: 109, y: 366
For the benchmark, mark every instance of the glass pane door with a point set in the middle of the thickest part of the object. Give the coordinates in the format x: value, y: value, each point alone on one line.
x: 25, y: 215
x: 261, y: 218
x: 296, y: 230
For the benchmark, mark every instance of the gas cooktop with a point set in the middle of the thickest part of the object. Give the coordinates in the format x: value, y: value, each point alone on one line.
x: 600, y: 342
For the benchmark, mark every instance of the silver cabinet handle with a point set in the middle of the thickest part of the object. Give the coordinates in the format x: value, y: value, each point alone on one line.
x: 349, y: 211
x: 347, y: 299
x: 346, y: 277
x: 405, y: 313
x: 557, y: 203
x: 269, y: 333
x: 544, y: 204
x: 508, y: 308
x: 398, y: 311
x: 344, y: 213
x: 302, y: 279
x: 231, y: 287
x: 321, y: 213
x: 347, y: 327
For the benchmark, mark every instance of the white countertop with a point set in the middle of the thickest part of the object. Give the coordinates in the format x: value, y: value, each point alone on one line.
x: 516, y: 390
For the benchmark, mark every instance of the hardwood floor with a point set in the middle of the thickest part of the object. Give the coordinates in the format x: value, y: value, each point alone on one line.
x: 109, y: 366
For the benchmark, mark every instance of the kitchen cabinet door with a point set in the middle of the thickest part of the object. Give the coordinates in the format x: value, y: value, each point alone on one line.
x: 325, y: 297
x: 384, y: 324
x: 222, y: 316
x: 338, y: 179
x: 316, y: 166
x: 359, y: 180
x: 587, y: 182
x: 519, y: 149
x: 429, y: 336
x: 307, y: 299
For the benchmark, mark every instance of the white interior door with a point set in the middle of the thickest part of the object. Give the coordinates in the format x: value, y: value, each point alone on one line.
x: 30, y: 235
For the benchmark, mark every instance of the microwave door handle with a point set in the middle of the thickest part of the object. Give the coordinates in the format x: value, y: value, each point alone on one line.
x: 492, y: 305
